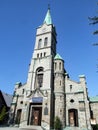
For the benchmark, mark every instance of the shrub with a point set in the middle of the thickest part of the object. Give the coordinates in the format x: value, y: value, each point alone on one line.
x: 57, y: 123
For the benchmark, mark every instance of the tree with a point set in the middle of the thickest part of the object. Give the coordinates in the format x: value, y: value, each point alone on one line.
x: 95, y: 127
x: 94, y: 21
x: 3, y: 113
x: 57, y: 123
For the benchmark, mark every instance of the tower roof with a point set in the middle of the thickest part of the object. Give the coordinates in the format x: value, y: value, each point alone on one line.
x: 48, y: 19
x: 58, y: 57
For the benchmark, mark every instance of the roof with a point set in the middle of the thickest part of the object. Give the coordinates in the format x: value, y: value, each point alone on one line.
x: 7, y: 98
x: 94, y: 99
x: 48, y: 19
x: 58, y: 57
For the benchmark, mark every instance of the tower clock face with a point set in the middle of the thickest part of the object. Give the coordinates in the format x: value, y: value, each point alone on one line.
x: 44, y: 30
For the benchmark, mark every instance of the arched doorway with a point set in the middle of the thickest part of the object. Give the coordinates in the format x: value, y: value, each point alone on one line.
x: 73, y: 117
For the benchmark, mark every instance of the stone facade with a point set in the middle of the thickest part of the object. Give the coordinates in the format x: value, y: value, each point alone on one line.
x: 49, y: 91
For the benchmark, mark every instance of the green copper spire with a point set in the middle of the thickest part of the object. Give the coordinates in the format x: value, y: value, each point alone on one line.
x: 48, y: 19
x: 58, y: 57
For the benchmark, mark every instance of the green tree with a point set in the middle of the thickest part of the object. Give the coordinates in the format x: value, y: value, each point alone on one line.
x: 94, y: 21
x: 3, y: 113
x: 95, y: 127
x: 57, y: 123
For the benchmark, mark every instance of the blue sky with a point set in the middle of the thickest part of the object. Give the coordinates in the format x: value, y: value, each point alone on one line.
x: 18, y: 22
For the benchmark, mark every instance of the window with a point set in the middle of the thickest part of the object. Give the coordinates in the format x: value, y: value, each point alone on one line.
x: 39, y: 77
x: 39, y: 43
x: 92, y: 114
x: 45, y: 41
x: 37, y: 55
x: 60, y: 65
x: 70, y: 88
x: 61, y: 111
x: 61, y: 97
x: 44, y: 54
x: 23, y: 91
x: 60, y: 82
x: 72, y: 101
x: 21, y: 102
x: 41, y: 55
x: 46, y: 111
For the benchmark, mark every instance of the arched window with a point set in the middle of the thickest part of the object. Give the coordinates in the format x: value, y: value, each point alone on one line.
x: 39, y: 77
x: 70, y: 88
x: 46, y: 110
x: 39, y: 43
x: 45, y: 41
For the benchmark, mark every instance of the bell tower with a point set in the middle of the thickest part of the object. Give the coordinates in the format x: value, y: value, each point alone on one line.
x: 40, y: 81
x: 43, y: 55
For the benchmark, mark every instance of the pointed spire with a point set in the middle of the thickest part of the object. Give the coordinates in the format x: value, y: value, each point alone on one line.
x: 48, y: 19
x: 58, y: 57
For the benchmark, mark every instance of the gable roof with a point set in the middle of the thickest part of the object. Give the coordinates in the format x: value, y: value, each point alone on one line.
x: 7, y: 98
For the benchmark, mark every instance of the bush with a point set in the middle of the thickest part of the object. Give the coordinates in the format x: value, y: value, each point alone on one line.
x: 57, y: 123
x: 95, y: 127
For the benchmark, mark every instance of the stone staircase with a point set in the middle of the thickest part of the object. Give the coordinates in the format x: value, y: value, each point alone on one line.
x: 74, y: 128
x: 31, y: 128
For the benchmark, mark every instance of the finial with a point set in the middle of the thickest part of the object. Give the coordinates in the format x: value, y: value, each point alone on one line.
x: 49, y: 6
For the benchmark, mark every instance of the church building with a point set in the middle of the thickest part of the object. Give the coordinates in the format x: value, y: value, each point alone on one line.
x: 49, y: 92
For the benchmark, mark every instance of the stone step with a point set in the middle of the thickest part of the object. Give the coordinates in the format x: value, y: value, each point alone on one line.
x: 31, y: 128
x: 74, y: 128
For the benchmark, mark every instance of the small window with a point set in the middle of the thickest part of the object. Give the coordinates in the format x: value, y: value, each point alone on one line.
x: 41, y: 55
x: 21, y: 102
x: 45, y: 41
x: 37, y: 55
x: 46, y: 110
x: 39, y: 43
x: 44, y: 54
x: 23, y: 91
x: 72, y: 101
x: 39, y: 77
x: 60, y: 82
x: 60, y: 111
x: 60, y: 65
x: 70, y: 88
x: 60, y: 97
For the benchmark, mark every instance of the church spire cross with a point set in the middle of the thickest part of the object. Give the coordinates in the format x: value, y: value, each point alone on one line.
x: 48, y: 19
x: 49, y: 6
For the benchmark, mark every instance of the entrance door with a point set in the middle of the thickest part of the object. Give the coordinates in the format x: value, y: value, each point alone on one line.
x: 18, y: 117
x: 36, y: 116
x: 73, y: 117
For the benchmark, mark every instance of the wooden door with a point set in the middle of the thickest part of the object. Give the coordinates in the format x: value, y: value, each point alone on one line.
x: 71, y: 118
x: 36, y: 117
